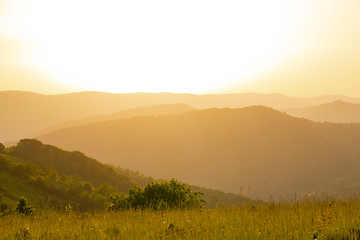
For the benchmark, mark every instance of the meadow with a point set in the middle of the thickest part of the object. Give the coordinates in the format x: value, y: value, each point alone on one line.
x: 303, y: 220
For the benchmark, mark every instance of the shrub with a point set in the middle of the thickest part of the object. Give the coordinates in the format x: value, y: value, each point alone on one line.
x: 23, y: 207
x: 158, y: 196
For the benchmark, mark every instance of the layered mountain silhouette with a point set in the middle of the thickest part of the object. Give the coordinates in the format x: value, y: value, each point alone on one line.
x: 142, y: 111
x: 337, y: 112
x: 255, y: 147
x: 25, y: 113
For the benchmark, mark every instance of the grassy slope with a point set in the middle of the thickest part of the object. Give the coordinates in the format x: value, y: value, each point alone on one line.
x: 70, y: 163
x: 307, y: 220
x: 45, y: 189
x: 11, y: 188
x: 15, y: 187
x: 14, y: 159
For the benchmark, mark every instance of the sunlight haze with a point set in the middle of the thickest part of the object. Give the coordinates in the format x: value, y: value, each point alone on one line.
x: 190, y: 119
x: 290, y: 47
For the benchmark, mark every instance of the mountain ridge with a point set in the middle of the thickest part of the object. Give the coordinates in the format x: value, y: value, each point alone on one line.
x: 274, y: 153
x: 164, y: 109
x: 25, y: 113
x: 338, y: 111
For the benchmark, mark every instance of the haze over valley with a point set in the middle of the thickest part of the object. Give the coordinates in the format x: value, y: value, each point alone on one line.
x: 114, y: 112
x: 273, y: 153
x: 49, y: 112
x: 239, y: 141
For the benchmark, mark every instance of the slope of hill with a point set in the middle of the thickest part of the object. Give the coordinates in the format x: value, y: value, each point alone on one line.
x: 45, y: 189
x: 142, y: 111
x: 228, y: 149
x: 337, y: 112
x: 213, y: 197
x: 25, y: 113
x: 51, y: 178
x: 70, y: 163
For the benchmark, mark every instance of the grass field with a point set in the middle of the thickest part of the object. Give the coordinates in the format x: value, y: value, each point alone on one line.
x: 306, y: 220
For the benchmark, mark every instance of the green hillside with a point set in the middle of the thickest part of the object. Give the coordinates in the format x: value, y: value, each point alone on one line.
x: 70, y: 163
x: 52, y: 178
x: 45, y: 189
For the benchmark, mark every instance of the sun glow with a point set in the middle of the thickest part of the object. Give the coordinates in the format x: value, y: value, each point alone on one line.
x: 155, y: 46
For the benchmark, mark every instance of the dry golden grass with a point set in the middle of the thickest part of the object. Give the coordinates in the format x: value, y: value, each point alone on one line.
x: 306, y: 220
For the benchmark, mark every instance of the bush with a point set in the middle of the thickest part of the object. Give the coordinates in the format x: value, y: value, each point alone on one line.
x: 158, y: 196
x: 23, y: 207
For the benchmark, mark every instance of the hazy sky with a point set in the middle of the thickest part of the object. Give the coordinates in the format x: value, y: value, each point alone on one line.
x: 297, y: 47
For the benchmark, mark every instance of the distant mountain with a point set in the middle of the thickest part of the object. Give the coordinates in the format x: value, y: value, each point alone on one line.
x: 25, y: 113
x: 142, y: 111
x: 337, y: 112
x: 228, y: 149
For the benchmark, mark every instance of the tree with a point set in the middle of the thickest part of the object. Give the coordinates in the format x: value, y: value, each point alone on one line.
x: 158, y: 195
x: 2, y: 148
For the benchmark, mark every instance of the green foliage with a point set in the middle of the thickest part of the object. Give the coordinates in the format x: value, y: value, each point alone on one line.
x: 214, y: 198
x: 77, y: 169
x: 23, y: 207
x: 48, y: 188
x: 158, y: 196
x: 70, y: 163
x: 2, y: 148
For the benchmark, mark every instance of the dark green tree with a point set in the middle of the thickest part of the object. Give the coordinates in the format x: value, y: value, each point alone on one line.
x: 2, y: 148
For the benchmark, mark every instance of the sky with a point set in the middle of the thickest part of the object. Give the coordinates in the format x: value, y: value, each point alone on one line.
x: 298, y: 47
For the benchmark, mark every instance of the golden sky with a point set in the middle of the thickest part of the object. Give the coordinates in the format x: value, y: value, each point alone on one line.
x: 298, y: 47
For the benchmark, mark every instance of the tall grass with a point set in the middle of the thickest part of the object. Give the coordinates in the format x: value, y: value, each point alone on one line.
x: 305, y: 220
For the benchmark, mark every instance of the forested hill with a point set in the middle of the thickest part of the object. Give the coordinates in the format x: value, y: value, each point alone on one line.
x: 227, y: 149
x: 70, y: 163
x: 53, y: 178
x: 45, y: 189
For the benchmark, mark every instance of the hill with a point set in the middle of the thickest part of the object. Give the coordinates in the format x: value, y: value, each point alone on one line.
x: 70, y: 163
x: 26, y: 113
x: 45, y: 189
x: 256, y: 147
x: 142, y: 111
x: 52, y: 178
x: 337, y: 112
x: 213, y: 197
